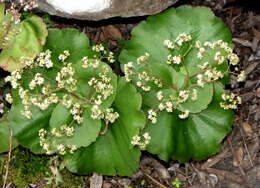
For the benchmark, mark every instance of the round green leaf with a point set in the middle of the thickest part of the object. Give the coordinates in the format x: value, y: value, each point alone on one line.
x: 28, y: 42
x: 196, y: 137
x: 202, y: 25
x: 112, y: 153
x: 27, y: 130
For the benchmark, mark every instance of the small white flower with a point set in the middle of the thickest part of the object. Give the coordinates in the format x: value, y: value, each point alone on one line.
x: 159, y: 95
x: 169, y: 44
x: 241, y: 77
x: 233, y: 58
x: 9, y: 98
x: 143, y: 58
x: 183, y: 96
x: 169, y: 106
x: 1, y: 108
x: 161, y: 106
x: 152, y: 116
x: 184, y: 115
x: 194, y: 95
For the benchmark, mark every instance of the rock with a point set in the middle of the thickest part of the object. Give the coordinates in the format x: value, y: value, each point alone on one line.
x: 103, y: 9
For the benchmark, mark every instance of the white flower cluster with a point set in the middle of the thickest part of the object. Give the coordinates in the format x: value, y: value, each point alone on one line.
x: 144, y: 78
x: 102, y: 84
x: 164, y: 104
x: 28, y: 4
x: 241, y: 76
x: 128, y: 69
x: 152, y: 116
x: 169, y: 44
x: 103, y: 54
x: 90, y: 63
x: 173, y: 59
x: 201, y: 52
x: 226, y: 52
x: 1, y: 108
x: 184, y: 115
x: 44, y: 59
x: 108, y: 115
x: 62, y: 57
x: 141, y: 142
x: 96, y: 112
x: 51, y: 141
x: 9, y: 98
x: 194, y: 95
x: 110, y: 57
x: 168, y: 106
x: 230, y: 101
x: 98, y: 48
x: 37, y: 80
x: 183, y: 96
x: 183, y: 37
x: 143, y: 58
x: 219, y: 57
x: 65, y: 78
x: 14, y: 79
x: 77, y: 111
x: 68, y: 131
x: 233, y: 59
x: 209, y: 75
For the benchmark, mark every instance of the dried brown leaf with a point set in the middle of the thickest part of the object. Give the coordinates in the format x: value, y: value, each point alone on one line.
x: 238, y: 156
x: 247, y: 128
x: 96, y: 181
x: 111, y: 32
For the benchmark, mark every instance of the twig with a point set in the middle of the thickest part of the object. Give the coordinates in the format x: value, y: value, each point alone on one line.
x: 233, y: 152
x: 246, y: 148
x: 9, y: 157
x: 154, y: 180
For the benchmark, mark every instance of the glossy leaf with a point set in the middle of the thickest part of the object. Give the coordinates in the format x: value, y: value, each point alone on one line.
x: 198, y: 22
x: 27, y: 130
x: 194, y: 138
x: 112, y: 153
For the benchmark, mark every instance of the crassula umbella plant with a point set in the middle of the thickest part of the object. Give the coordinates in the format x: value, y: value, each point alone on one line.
x: 179, y: 61
x: 171, y: 101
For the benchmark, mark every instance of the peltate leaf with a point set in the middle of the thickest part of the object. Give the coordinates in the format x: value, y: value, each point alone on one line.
x: 112, y: 153
x: 202, y: 25
x: 27, y: 130
x: 193, y: 138
x: 26, y: 39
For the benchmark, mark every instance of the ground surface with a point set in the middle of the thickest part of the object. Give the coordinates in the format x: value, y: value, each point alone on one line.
x: 237, y: 165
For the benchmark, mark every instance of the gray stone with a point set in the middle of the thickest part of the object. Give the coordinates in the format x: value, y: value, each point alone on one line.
x: 103, y: 9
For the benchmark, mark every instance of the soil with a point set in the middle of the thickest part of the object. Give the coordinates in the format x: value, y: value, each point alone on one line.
x: 237, y: 165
